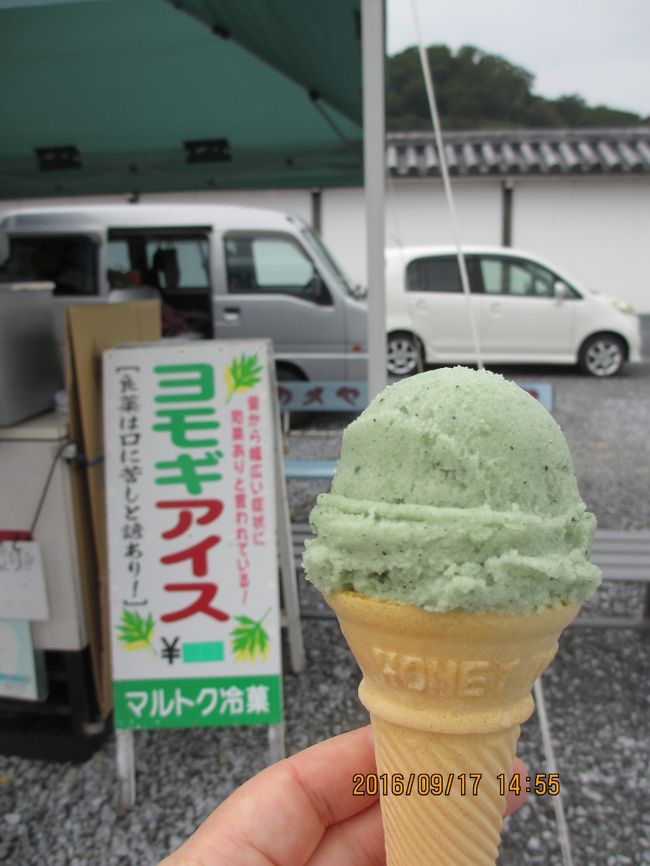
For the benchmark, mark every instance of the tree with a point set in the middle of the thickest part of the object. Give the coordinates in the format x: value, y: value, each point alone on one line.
x: 477, y: 90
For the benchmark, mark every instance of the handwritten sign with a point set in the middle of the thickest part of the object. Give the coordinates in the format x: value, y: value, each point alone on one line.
x: 23, y: 592
x: 192, y: 534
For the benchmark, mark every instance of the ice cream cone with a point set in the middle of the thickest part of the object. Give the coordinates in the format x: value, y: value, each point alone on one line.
x: 446, y: 693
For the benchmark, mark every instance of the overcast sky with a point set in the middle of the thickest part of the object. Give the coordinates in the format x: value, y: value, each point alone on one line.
x: 599, y: 49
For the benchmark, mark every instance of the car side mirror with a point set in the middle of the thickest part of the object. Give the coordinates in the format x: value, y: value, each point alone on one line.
x: 317, y: 291
x: 560, y: 290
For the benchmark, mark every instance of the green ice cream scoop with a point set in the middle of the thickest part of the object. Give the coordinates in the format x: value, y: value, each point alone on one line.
x: 454, y: 491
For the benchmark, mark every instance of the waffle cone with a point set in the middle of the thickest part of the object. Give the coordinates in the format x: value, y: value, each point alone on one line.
x: 446, y: 693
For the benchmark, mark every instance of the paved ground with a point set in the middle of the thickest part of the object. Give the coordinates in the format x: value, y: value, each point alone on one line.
x: 596, y: 691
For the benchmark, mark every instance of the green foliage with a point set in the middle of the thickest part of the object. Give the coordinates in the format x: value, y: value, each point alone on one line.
x: 477, y: 90
x: 242, y: 374
x: 249, y: 639
x: 134, y: 632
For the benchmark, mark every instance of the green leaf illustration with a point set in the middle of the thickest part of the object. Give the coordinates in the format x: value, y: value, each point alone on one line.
x: 242, y: 374
x: 249, y: 639
x: 134, y: 632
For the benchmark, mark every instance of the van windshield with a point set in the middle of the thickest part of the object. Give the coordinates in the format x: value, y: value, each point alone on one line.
x: 68, y: 261
x: 315, y: 243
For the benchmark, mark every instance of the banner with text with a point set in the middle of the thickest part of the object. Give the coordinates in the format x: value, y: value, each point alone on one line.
x: 190, y: 478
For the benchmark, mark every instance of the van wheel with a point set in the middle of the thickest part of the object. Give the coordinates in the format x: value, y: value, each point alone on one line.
x: 602, y: 355
x: 403, y: 355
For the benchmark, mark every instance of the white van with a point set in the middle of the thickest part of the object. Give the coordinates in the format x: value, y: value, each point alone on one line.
x: 219, y: 271
x: 526, y: 312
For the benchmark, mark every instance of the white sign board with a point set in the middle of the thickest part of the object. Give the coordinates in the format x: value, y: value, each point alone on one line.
x: 189, y: 449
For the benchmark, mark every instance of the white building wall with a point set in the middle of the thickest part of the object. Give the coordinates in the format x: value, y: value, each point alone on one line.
x: 7, y: 204
x: 595, y: 229
x: 343, y: 230
x: 296, y: 201
x: 416, y: 213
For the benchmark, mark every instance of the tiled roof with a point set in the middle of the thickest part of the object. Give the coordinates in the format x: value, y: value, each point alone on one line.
x: 517, y: 152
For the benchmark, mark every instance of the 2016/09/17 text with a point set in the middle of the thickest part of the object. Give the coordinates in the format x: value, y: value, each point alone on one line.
x: 439, y: 785
x: 424, y: 784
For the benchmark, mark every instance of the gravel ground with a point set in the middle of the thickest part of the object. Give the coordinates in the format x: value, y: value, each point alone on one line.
x: 596, y: 692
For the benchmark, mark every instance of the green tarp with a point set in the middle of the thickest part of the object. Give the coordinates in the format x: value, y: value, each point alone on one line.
x: 128, y: 96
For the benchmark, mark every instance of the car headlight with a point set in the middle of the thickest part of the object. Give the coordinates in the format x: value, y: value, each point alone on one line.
x: 624, y: 307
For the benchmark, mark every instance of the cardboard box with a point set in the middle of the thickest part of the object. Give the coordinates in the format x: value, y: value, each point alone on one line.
x: 90, y: 330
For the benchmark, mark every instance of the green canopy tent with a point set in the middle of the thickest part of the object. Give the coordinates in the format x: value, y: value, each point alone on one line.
x: 128, y: 96
x: 139, y: 96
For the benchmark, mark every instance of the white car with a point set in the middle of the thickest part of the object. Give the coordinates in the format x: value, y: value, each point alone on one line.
x: 524, y: 310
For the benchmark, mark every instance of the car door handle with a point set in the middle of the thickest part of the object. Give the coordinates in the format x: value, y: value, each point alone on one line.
x: 495, y: 309
x: 421, y: 306
x: 231, y: 314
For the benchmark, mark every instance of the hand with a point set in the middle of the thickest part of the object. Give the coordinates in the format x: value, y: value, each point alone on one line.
x: 300, y: 811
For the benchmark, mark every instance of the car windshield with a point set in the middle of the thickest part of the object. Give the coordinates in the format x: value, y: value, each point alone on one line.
x: 319, y: 247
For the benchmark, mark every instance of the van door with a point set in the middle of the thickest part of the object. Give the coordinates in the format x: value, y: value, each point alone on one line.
x: 274, y: 290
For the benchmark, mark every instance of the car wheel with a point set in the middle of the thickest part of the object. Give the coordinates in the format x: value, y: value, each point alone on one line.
x: 602, y: 355
x: 403, y: 355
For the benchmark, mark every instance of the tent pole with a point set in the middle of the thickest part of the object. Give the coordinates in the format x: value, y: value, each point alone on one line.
x: 372, y: 39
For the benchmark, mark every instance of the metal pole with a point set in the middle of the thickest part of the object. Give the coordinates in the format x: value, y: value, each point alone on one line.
x: 551, y: 766
x: 372, y: 40
x: 506, y: 213
x: 317, y: 210
x: 277, y: 744
x: 286, y: 559
x: 125, y: 764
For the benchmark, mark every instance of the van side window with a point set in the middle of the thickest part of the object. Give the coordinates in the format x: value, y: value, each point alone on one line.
x: 172, y: 264
x: 272, y: 264
x: 175, y: 264
x: 68, y: 261
x: 433, y: 274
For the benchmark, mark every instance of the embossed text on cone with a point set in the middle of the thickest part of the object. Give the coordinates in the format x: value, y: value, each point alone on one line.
x: 446, y: 693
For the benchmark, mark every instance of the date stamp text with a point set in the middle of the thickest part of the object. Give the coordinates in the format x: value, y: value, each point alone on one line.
x: 444, y: 785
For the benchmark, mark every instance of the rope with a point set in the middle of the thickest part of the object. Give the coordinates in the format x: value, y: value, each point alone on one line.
x: 433, y: 109
x: 46, y: 487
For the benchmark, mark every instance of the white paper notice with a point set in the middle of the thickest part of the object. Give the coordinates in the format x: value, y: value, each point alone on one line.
x: 23, y: 593
x: 19, y: 673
